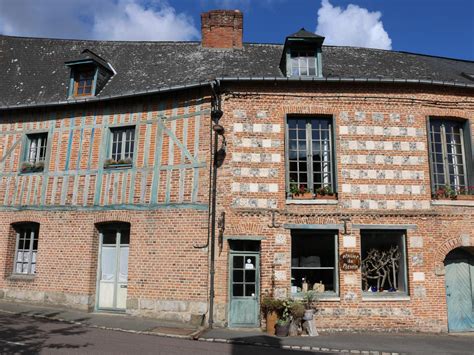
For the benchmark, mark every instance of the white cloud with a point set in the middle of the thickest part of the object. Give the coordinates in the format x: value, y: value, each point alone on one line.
x: 353, y: 26
x: 91, y: 19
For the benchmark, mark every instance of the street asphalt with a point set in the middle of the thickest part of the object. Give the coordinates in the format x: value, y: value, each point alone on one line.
x: 25, y: 335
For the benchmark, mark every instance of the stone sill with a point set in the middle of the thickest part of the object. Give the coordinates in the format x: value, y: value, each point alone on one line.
x: 21, y: 277
x: 385, y: 298
x: 322, y: 298
x: 312, y: 202
x: 452, y: 203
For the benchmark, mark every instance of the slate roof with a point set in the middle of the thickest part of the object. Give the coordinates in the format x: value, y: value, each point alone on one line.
x: 32, y: 70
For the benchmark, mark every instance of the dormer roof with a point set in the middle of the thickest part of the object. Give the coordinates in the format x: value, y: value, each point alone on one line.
x: 89, y: 57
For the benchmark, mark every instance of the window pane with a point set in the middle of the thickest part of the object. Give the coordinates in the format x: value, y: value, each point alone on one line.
x: 108, y: 262
x: 238, y: 276
x: 313, y: 259
x: 238, y: 290
x: 383, y: 261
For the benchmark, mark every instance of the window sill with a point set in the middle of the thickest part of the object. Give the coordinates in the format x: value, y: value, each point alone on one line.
x: 452, y: 203
x: 22, y: 277
x: 118, y: 167
x: 384, y: 298
x: 318, y: 297
x: 312, y: 202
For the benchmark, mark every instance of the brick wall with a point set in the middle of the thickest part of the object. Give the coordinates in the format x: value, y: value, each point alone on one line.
x: 163, y: 196
x: 383, y: 178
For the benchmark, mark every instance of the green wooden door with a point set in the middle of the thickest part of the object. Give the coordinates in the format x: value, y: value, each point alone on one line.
x: 460, y: 295
x: 244, y: 290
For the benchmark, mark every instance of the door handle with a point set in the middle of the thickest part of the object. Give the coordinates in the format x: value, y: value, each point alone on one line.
x: 448, y: 294
x: 123, y: 286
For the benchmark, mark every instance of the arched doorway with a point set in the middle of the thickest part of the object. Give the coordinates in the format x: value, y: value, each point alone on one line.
x: 459, y: 265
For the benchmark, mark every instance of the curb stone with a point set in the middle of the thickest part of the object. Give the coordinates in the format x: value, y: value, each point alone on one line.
x: 297, y: 347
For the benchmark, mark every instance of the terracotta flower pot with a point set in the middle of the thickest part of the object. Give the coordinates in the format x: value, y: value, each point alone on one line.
x: 272, y: 318
x: 326, y: 197
x: 303, y: 196
x: 465, y: 197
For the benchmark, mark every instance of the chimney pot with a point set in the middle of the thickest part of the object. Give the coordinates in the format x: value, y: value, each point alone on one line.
x: 222, y: 29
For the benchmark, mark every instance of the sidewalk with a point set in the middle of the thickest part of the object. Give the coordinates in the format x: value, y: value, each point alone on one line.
x: 355, y: 343
x: 368, y: 343
x: 111, y: 321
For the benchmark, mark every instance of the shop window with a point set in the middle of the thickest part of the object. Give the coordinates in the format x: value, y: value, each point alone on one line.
x: 383, y: 266
x: 310, y: 156
x: 314, y: 262
x: 26, y: 248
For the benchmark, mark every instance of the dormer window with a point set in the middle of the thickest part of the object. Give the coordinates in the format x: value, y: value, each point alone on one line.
x: 89, y: 74
x: 302, y: 55
x: 303, y: 63
x: 84, y: 82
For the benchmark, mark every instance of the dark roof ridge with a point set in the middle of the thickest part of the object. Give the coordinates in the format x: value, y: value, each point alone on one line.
x: 96, y: 40
x: 402, y: 52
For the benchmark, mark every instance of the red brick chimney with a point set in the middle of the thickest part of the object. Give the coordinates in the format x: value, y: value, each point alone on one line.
x: 222, y: 29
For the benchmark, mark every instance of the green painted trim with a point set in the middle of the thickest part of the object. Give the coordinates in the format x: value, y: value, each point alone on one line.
x: 103, y: 149
x: 155, y: 182
x: 81, y: 136
x: 182, y: 172
x: 171, y: 141
x: 197, y: 128
x: 138, y: 123
x: 94, y: 82
x: 9, y: 151
x: 69, y: 144
x: 140, y: 207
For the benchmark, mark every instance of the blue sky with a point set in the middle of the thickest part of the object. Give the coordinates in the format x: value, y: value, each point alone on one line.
x: 435, y: 27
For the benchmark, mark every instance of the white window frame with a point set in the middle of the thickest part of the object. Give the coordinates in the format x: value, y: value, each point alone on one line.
x: 33, y: 231
x: 36, y: 146
x: 121, y: 134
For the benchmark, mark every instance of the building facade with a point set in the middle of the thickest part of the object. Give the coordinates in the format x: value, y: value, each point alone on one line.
x: 347, y: 171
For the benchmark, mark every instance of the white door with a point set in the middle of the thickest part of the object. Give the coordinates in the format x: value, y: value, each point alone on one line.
x: 113, y: 268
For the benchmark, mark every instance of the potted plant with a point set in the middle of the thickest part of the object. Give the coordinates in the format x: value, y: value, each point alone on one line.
x: 282, y: 326
x: 26, y: 167
x: 300, y: 192
x: 308, y: 299
x: 297, y: 311
x: 325, y: 192
x: 270, y: 308
x: 465, y: 193
x: 444, y: 192
x: 121, y: 163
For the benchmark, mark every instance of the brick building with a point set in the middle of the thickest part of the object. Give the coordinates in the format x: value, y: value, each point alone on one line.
x: 347, y: 170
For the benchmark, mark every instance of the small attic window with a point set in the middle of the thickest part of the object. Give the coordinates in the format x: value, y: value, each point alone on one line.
x: 89, y: 74
x: 84, y: 81
x: 303, y: 63
x: 302, y: 55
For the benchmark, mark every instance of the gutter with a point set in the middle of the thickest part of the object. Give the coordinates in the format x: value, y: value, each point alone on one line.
x: 240, y: 79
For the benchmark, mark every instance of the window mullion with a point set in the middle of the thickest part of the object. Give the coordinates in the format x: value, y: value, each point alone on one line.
x: 331, y: 160
x: 30, y: 250
x: 463, y: 155
x: 309, y: 156
x: 445, y: 155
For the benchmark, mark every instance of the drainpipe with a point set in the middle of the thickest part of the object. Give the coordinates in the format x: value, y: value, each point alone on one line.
x: 218, y: 130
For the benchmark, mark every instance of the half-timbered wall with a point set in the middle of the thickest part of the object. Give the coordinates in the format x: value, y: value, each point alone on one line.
x: 169, y: 159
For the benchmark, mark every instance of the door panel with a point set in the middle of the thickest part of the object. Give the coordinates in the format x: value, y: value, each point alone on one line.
x: 459, y: 296
x: 244, y: 289
x: 113, y: 276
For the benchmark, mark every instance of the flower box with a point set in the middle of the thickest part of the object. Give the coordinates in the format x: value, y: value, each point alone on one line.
x: 326, y: 197
x: 303, y: 196
x: 27, y: 167
x: 465, y: 197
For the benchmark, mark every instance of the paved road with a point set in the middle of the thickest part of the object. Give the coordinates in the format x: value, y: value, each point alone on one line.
x: 25, y: 335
